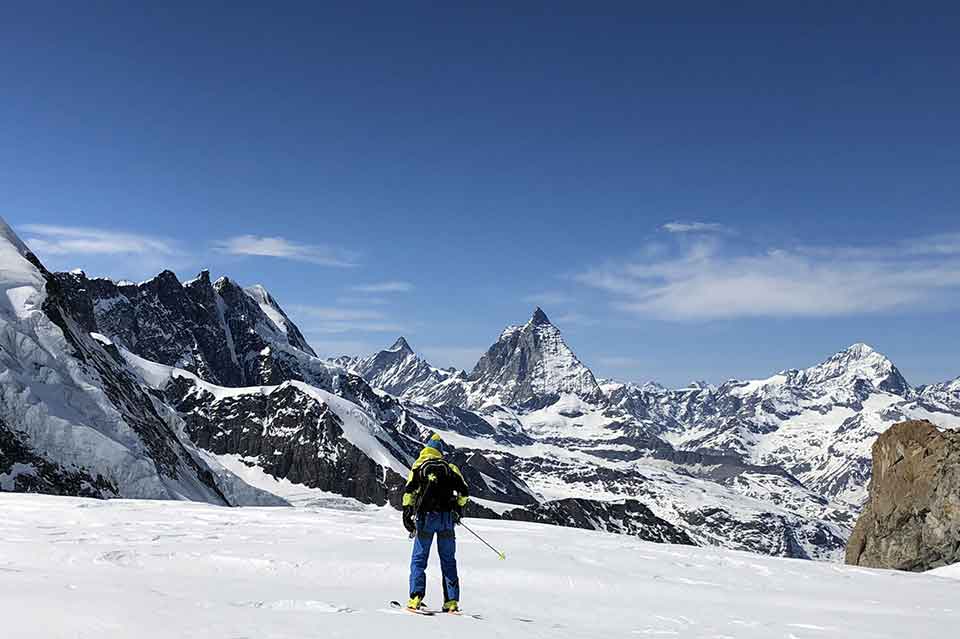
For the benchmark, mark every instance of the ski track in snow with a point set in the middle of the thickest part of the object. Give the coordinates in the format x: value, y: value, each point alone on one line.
x: 86, y: 569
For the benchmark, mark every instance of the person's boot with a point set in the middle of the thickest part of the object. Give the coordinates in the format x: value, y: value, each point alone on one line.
x: 451, y: 606
x: 415, y: 602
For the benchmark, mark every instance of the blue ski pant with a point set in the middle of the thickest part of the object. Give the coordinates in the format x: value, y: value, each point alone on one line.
x: 440, y: 525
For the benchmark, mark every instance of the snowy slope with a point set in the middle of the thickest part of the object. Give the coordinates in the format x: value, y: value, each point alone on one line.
x: 73, y: 420
x: 941, y: 397
x: 74, y: 568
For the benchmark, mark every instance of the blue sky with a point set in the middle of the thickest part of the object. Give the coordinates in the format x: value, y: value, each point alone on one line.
x: 700, y: 192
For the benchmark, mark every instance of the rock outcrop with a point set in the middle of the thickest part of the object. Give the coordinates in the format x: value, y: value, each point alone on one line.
x: 912, y: 519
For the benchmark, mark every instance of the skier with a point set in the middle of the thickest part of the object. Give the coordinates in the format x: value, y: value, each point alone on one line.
x: 433, y: 502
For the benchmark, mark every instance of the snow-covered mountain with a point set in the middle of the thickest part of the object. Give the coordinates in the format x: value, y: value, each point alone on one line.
x: 529, y: 366
x: 776, y: 466
x: 941, y: 397
x: 74, y: 419
x: 222, y: 332
x: 795, y: 445
x: 567, y: 437
x: 398, y: 370
x: 816, y: 423
x: 555, y: 452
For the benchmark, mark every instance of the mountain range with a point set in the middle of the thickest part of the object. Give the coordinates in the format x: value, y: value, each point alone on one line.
x: 116, y: 389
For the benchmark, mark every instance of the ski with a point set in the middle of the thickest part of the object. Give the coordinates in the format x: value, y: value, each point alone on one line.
x: 458, y: 613
x: 429, y: 612
x: 420, y: 611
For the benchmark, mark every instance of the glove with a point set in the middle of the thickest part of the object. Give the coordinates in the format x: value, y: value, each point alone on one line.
x: 408, y: 520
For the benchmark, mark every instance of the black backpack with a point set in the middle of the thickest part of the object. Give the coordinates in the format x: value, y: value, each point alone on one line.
x: 437, y: 487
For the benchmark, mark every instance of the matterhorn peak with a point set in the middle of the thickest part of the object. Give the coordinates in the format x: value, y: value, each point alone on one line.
x: 532, y: 363
x: 401, y: 346
x: 539, y: 318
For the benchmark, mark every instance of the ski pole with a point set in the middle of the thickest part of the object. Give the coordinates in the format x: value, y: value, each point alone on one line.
x: 499, y: 554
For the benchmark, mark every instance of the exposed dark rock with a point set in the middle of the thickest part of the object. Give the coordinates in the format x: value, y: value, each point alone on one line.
x: 217, y: 330
x: 291, y: 434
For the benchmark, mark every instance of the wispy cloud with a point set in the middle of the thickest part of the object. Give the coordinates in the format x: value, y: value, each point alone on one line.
x: 383, y: 287
x: 694, y: 227
x: 325, y: 320
x: 940, y: 244
x: 334, y: 313
x: 710, y: 279
x: 49, y: 239
x: 361, y: 300
x: 321, y: 254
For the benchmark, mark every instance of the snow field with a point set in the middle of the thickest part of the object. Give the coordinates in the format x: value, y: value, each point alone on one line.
x: 87, y: 569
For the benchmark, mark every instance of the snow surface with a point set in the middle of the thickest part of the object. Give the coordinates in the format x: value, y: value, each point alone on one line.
x: 22, y: 284
x: 86, y: 569
x: 952, y: 572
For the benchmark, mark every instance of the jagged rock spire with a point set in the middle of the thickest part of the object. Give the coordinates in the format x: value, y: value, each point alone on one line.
x: 531, y: 364
x: 401, y: 345
x: 539, y: 317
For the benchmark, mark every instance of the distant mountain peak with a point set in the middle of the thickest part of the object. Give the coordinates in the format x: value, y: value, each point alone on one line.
x: 398, y: 370
x: 164, y: 277
x: 859, y: 350
x: 202, y: 278
x: 530, y: 363
x: 401, y: 345
x: 223, y: 282
x: 540, y: 318
x: 859, y: 362
x: 259, y: 290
